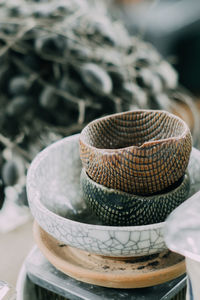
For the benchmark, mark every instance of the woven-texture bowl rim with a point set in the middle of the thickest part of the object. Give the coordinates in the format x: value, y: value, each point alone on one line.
x: 111, y: 190
x: 154, y: 142
x: 112, y: 206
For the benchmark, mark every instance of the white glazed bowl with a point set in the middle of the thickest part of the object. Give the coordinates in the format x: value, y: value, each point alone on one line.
x: 53, y: 187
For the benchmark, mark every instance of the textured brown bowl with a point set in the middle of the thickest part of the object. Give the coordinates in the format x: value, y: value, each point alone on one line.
x: 141, y: 152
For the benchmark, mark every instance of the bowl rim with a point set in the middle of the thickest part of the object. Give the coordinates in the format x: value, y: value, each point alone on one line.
x: 186, y: 178
x: 154, y: 142
x: 36, y: 198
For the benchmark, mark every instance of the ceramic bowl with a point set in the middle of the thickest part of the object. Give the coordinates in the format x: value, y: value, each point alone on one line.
x: 54, y: 195
x: 182, y: 236
x: 118, y: 208
x: 141, y: 152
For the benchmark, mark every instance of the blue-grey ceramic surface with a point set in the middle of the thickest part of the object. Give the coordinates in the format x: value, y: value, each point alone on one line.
x: 182, y: 231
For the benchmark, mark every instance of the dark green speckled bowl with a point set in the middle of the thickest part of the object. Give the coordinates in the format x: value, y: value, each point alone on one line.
x: 118, y: 208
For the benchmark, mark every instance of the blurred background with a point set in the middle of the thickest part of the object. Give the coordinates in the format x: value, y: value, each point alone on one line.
x: 173, y: 28
x: 65, y: 63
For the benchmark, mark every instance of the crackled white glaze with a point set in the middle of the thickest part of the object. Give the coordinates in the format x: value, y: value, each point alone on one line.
x: 53, y: 186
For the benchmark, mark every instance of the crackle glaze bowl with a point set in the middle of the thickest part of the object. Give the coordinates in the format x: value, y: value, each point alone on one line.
x: 141, y: 152
x: 117, y: 208
x: 54, y: 195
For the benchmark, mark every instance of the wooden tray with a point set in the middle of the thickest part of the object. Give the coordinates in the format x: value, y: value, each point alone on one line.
x: 134, y: 272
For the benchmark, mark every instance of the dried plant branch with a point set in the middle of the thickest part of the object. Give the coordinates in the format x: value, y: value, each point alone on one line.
x: 8, y: 143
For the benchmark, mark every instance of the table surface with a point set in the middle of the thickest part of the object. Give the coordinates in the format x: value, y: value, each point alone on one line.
x: 14, y: 247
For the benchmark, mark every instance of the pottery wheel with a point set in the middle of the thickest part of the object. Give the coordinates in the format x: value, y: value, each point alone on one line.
x: 134, y: 272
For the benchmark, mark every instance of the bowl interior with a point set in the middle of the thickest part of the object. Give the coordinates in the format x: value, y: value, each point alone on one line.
x: 132, y: 129
x: 56, y: 178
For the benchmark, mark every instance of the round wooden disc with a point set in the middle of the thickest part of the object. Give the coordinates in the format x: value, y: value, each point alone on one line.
x: 134, y: 272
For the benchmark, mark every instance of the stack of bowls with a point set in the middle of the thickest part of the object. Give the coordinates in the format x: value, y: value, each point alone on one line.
x: 65, y: 221
x: 135, y: 166
x: 55, y: 200
x: 57, y: 204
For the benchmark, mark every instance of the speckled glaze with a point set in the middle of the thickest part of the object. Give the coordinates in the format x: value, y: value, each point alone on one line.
x: 122, y: 209
x: 141, y: 152
x: 53, y: 186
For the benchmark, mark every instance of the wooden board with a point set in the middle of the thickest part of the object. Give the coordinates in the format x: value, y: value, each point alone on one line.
x: 134, y: 272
